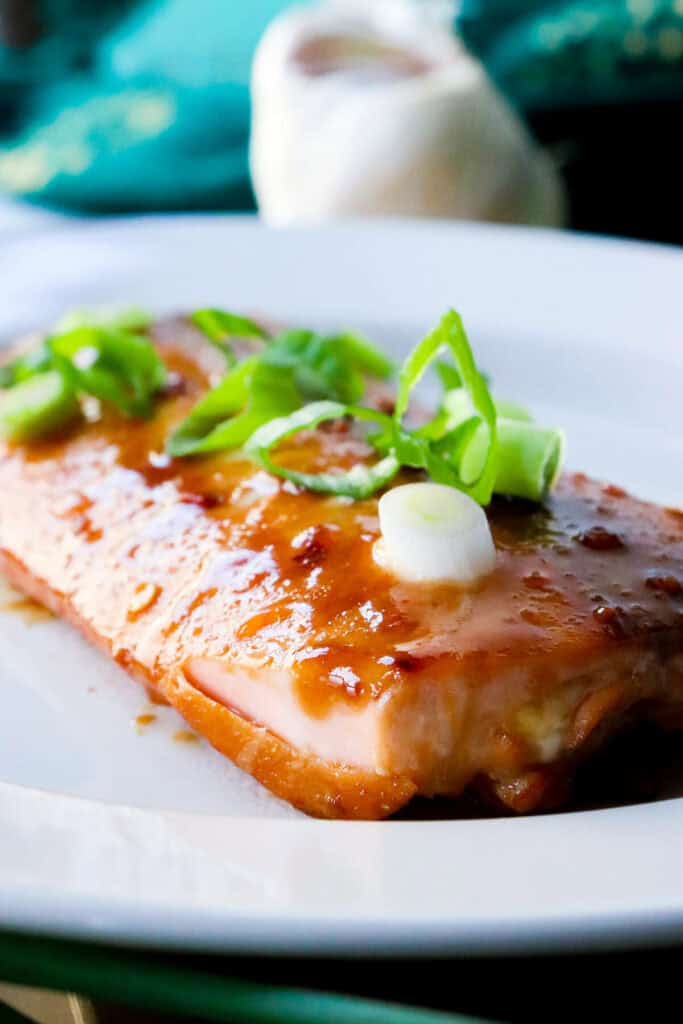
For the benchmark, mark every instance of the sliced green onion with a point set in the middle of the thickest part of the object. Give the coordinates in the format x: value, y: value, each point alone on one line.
x: 431, y: 533
x: 113, y: 365
x: 441, y: 459
x: 321, y: 367
x: 448, y: 375
x: 296, y: 366
x: 260, y: 403
x: 37, y: 407
x: 450, y: 335
x: 511, y: 410
x: 359, y: 482
x: 36, y: 360
x: 328, y: 366
x: 530, y: 457
x: 130, y: 319
x: 220, y: 403
x: 457, y: 406
x: 103, y: 355
x: 218, y: 325
x: 363, y: 355
x: 250, y: 395
x: 454, y: 443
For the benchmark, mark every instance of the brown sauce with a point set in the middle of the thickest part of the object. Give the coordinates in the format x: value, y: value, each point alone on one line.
x: 145, y: 720
x: 185, y: 736
x: 27, y: 609
x: 597, y: 538
x: 154, y: 697
x: 217, y: 559
x: 670, y: 585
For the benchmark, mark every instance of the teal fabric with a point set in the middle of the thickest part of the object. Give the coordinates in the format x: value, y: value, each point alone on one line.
x: 147, y: 981
x: 143, y: 104
x: 566, y: 53
x: 131, y: 106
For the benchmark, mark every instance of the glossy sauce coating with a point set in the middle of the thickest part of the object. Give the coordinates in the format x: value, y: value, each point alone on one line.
x: 213, y: 557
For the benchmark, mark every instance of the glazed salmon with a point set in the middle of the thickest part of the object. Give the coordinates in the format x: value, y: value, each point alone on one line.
x: 259, y: 612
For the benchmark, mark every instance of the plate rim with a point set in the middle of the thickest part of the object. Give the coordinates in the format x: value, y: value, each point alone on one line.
x: 273, y: 933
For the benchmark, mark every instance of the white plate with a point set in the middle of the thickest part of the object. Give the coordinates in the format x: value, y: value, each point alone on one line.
x: 137, y: 838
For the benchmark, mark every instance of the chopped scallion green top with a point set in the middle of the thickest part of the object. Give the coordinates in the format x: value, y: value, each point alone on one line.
x: 286, y: 383
x: 117, y: 366
x: 292, y: 368
x: 438, y: 448
x: 112, y: 361
x: 219, y: 326
x: 472, y: 443
x: 359, y: 482
x: 37, y: 406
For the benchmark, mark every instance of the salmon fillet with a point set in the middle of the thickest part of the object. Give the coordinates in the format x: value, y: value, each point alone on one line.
x: 259, y: 613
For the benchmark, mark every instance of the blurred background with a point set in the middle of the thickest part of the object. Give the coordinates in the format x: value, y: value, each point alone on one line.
x: 563, y: 112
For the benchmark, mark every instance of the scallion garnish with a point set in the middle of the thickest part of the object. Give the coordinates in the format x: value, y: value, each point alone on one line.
x: 324, y: 367
x: 251, y: 394
x: 294, y: 367
x: 37, y: 406
x: 440, y: 452
x: 112, y: 362
x: 529, y: 455
x: 291, y: 382
x: 116, y: 366
x: 358, y: 482
x: 457, y: 406
x: 529, y: 458
x: 450, y: 335
x: 362, y: 354
x: 219, y: 326
x: 131, y: 318
x: 35, y: 360
x: 448, y: 375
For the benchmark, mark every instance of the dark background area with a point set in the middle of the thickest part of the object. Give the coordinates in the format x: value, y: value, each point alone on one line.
x: 621, y: 165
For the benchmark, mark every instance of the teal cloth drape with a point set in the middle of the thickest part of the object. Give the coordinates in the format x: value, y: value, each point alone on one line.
x: 128, y: 106
x: 144, y: 105
x: 568, y: 53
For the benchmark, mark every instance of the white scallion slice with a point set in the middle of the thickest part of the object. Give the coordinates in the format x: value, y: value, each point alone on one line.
x: 434, y: 533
